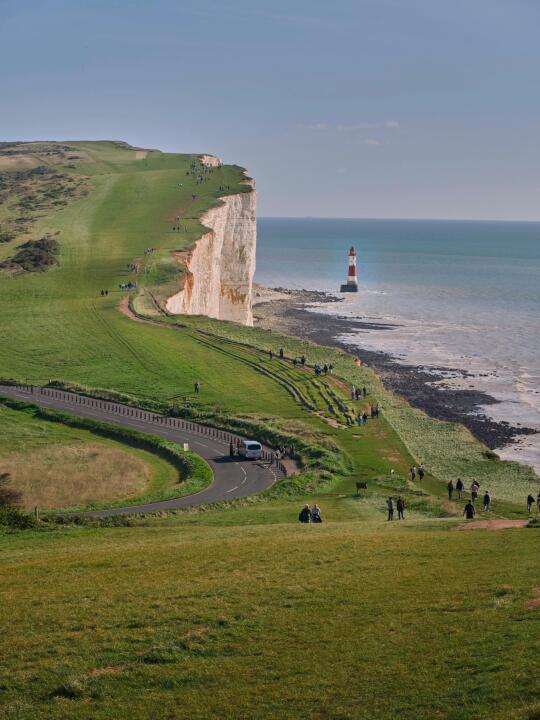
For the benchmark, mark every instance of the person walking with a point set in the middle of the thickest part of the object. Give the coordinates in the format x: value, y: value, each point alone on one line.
x: 197, y: 387
x: 450, y: 487
x: 459, y: 488
x: 231, y: 449
x: 530, y: 503
x: 538, y: 502
x: 421, y: 471
x: 400, y: 508
x: 474, y: 490
x: 303, y: 360
x: 305, y: 514
x: 353, y: 392
x: 316, y: 514
x: 487, y: 501
x: 281, y: 353
x: 390, y: 507
x: 413, y: 473
x: 364, y: 391
x: 469, y: 510
x: 270, y: 354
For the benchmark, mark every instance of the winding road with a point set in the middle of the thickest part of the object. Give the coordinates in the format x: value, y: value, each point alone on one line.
x: 233, y: 477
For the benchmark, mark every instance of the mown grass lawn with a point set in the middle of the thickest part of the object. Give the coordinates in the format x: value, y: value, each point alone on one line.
x: 344, y: 620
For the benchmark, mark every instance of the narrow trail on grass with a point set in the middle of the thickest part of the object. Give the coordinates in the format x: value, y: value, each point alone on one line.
x: 497, y: 524
x: 233, y: 477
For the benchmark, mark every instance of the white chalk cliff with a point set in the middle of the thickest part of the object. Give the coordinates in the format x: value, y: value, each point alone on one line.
x: 221, y: 265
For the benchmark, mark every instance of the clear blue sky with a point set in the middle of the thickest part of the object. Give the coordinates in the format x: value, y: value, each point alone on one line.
x: 366, y: 108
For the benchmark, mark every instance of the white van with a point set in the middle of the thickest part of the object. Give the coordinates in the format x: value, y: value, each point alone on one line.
x: 250, y: 449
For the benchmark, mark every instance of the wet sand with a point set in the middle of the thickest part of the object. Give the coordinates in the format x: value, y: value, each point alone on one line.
x: 287, y: 311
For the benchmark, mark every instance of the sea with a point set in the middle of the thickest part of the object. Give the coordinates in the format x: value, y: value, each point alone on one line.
x: 457, y: 294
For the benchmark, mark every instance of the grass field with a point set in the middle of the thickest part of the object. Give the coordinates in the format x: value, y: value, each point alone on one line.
x: 55, y: 466
x: 349, y: 619
x: 237, y: 611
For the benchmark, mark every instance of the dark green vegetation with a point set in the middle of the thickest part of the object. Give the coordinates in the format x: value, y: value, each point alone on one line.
x: 237, y: 611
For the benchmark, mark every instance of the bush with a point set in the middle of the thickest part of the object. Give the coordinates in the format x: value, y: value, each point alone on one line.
x: 15, y: 519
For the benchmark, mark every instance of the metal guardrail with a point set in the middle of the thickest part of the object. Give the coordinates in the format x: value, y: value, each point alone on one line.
x: 35, y: 391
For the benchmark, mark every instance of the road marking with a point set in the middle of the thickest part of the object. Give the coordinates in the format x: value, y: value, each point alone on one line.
x: 234, y: 488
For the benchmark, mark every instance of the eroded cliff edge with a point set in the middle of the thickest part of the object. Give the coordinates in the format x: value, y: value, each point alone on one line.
x: 221, y: 265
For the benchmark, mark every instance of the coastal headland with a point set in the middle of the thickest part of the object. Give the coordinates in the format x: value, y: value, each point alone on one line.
x: 231, y: 608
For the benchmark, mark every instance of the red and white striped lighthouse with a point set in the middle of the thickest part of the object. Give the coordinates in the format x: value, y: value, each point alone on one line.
x: 352, y: 278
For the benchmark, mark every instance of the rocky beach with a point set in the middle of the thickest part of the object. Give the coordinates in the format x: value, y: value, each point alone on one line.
x: 438, y: 391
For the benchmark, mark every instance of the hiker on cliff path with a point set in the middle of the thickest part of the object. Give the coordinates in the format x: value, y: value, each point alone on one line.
x: 487, y: 501
x: 400, y: 508
x: 197, y: 386
x: 459, y: 488
x: 413, y: 473
x: 421, y: 471
x: 450, y: 487
x: 390, y: 506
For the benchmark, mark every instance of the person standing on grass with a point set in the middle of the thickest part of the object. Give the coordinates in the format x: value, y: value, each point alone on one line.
x: 316, y: 514
x: 353, y: 392
x: 487, y: 501
x: 390, y: 506
x: 400, y: 508
x: 305, y: 514
x: 197, y: 387
x: 364, y: 391
x: 459, y: 488
x: 303, y: 360
x: 530, y: 503
x: 450, y: 487
x: 421, y: 471
x: 413, y: 473
x: 281, y: 353
x: 469, y: 511
x: 270, y: 355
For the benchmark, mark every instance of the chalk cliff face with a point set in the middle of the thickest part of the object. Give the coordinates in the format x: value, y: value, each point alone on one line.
x: 220, y: 267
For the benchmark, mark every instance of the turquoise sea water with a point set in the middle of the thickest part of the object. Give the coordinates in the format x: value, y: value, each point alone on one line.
x: 463, y: 295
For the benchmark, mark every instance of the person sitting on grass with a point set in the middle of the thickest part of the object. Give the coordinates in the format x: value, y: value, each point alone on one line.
x: 469, y: 510
x: 305, y: 514
x: 316, y: 514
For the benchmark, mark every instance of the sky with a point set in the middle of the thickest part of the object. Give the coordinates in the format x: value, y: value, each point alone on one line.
x: 342, y: 108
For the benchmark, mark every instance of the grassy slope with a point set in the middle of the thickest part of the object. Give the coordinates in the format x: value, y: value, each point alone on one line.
x: 42, y: 443
x: 345, y: 620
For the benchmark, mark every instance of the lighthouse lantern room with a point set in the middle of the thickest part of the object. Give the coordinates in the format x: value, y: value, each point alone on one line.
x: 352, y: 279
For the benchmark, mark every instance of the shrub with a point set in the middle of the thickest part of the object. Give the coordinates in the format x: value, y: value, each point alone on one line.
x: 15, y: 519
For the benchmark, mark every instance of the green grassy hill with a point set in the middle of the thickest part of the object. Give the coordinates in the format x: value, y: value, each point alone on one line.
x: 236, y: 611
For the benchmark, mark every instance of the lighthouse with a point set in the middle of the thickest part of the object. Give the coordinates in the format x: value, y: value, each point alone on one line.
x: 352, y: 279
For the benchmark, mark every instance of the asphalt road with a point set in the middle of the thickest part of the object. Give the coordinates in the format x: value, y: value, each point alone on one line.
x: 233, y: 478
